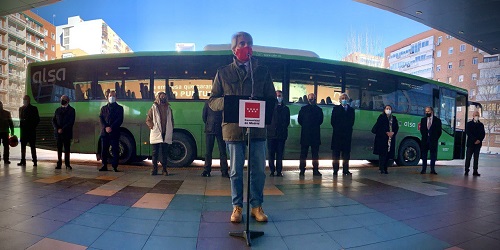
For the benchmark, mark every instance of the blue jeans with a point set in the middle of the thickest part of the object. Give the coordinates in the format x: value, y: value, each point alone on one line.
x: 257, y: 175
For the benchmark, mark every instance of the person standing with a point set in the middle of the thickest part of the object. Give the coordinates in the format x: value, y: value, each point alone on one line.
x: 6, y: 124
x: 277, y: 133
x: 240, y: 73
x: 63, y: 121
x: 28, y: 121
x: 160, y: 121
x: 213, y: 130
x: 310, y: 118
x: 111, y: 118
x: 430, y: 129
x: 475, y: 136
x: 342, y: 122
x: 385, y: 130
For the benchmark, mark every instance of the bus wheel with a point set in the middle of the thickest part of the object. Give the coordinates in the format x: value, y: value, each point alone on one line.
x: 182, y: 151
x: 127, y: 149
x: 408, y: 153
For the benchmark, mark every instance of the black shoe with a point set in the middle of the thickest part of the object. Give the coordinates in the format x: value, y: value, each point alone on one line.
x: 466, y: 172
x: 116, y: 170
x: 381, y: 171
x: 34, y: 164
x: 302, y: 173
x: 434, y: 172
x: 6, y: 162
x: 271, y: 174
x: 164, y: 172
x: 385, y: 172
x: 69, y: 167
x: 22, y: 164
x: 279, y: 174
x: 225, y: 174
x: 422, y: 172
x: 476, y: 174
x: 154, y: 172
x: 347, y: 173
x: 103, y: 169
x: 58, y: 167
x: 316, y: 173
x: 206, y: 174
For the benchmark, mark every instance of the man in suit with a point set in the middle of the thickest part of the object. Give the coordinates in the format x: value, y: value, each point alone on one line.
x: 6, y: 124
x: 342, y: 122
x: 475, y: 136
x: 63, y: 121
x: 277, y: 133
x: 111, y: 118
x: 213, y: 130
x: 28, y: 121
x: 430, y: 129
x: 310, y: 118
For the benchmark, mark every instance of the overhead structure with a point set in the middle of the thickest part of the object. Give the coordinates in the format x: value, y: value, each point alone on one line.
x: 476, y: 22
x: 14, y: 6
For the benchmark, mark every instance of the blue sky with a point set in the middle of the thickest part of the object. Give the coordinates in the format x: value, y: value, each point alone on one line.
x: 322, y: 26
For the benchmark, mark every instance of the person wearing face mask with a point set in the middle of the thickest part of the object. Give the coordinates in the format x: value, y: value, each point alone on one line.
x: 236, y: 79
x: 213, y: 131
x: 6, y: 124
x: 475, y: 136
x: 385, y: 130
x: 342, y: 122
x: 310, y: 118
x: 430, y: 129
x: 63, y: 121
x: 28, y: 121
x: 160, y: 121
x: 277, y: 133
x: 111, y: 118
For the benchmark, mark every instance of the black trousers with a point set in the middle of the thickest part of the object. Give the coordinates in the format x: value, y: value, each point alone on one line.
x: 433, y: 155
x: 62, y: 141
x: 209, y: 143
x: 112, y: 141
x: 160, y: 153
x: 383, y: 161
x: 472, y: 150
x: 4, y: 137
x: 303, y: 156
x: 24, y: 142
x: 276, y: 150
x: 336, y: 156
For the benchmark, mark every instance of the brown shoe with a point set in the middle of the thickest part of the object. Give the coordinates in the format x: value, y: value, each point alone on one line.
x: 259, y: 214
x: 237, y: 215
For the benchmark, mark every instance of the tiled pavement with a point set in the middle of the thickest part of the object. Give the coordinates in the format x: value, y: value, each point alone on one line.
x: 43, y: 208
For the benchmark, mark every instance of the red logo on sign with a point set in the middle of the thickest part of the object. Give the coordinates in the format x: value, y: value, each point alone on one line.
x: 252, y: 110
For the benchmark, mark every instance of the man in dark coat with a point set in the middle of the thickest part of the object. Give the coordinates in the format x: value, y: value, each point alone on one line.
x: 111, y: 118
x: 213, y: 130
x: 430, y: 129
x: 310, y: 118
x: 28, y: 121
x: 475, y: 136
x: 63, y: 121
x: 277, y: 133
x: 342, y: 122
x: 6, y: 124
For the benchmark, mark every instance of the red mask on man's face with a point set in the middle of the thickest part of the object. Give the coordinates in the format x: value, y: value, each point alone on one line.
x: 243, y: 54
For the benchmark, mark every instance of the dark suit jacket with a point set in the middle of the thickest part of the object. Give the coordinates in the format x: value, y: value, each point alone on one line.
x: 342, y: 122
x: 64, y: 118
x: 111, y: 116
x: 380, y: 129
x: 6, y: 122
x: 28, y: 121
x: 310, y: 118
x: 278, y: 129
x: 474, y: 131
x: 430, y: 135
x: 212, y: 120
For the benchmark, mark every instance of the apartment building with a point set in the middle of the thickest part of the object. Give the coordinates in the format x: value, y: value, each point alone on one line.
x: 24, y: 38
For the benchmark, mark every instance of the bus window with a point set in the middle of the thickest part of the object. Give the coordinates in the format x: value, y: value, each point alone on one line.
x: 413, y: 96
x: 376, y: 90
x: 185, y: 89
x: 128, y: 84
x: 81, y: 90
x: 329, y: 87
x: 447, y: 108
x: 301, y: 84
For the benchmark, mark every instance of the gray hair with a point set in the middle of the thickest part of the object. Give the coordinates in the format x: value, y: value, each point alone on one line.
x: 234, y: 38
x: 344, y: 94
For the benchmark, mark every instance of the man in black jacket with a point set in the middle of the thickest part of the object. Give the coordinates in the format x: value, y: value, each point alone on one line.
x: 111, y: 118
x: 277, y: 133
x: 342, y: 122
x: 5, y: 124
x: 213, y: 130
x: 63, y: 121
x: 310, y: 118
x: 475, y: 136
x: 430, y: 129
x: 28, y: 121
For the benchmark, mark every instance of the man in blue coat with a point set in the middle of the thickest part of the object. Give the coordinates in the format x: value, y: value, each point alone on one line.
x: 342, y: 122
x: 111, y: 118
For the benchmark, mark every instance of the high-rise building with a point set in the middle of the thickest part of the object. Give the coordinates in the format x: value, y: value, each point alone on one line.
x: 365, y: 59
x: 24, y: 38
x: 93, y: 37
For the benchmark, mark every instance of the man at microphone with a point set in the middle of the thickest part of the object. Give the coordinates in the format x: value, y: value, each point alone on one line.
x: 236, y: 79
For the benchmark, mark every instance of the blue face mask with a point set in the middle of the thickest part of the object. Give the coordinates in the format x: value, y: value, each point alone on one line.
x: 344, y: 102
x: 280, y: 99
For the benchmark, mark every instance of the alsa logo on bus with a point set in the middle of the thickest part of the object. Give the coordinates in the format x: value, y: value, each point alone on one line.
x: 53, y: 75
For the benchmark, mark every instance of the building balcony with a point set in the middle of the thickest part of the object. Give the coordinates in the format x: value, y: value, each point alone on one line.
x: 3, y: 28
x: 488, y: 65
x: 34, y: 57
x: 3, y: 75
x: 17, y: 18
x: 18, y: 35
x: 17, y: 63
x: 36, y: 30
x: 488, y: 98
x: 18, y: 50
x: 3, y: 60
x: 3, y: 45
x: 37, y: 45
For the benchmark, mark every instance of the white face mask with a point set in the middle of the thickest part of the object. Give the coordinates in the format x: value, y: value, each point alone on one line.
x: 112, y: 99
x: 476, y: 118
x: 388, y: 111
x: 280, y: 99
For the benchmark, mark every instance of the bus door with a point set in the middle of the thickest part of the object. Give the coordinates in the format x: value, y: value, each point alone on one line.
x: 461, y: 120
x: 447, y: 114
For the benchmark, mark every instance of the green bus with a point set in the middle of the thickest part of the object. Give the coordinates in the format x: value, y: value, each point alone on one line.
x: 187, y: 78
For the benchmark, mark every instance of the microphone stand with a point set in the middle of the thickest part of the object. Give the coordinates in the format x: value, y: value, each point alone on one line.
x: 247, y: 234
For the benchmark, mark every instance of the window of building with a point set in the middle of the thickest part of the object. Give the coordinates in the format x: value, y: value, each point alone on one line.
x: 474, y: 60
x: 46, y: 32
x: 474, y: 76
x: 490, y: 59
x: 438, y: 54
x: 450, y: 50
x: 53, y: 36
x: 450, y: 65
x: 461, y: 63
x: 474, y: 48
x: 497, y: 138
x: 45, y: 44
x: 440, y: 40
x: 66, y: 41
x: 449, y: 79
x: 462, y: 47
x: 53, y: 48
x: 66, y: 32
x: 460, y: 78
x: 438, y: 67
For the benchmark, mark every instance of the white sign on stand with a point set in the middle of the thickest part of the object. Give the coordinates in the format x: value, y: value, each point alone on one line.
x: 252, y: 114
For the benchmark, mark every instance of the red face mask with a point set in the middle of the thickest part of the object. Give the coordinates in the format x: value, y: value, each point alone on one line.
x: 243, y: 54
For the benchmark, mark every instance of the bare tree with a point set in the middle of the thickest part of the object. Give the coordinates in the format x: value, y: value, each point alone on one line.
x: 362, y: 42
x: 489, y: 97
